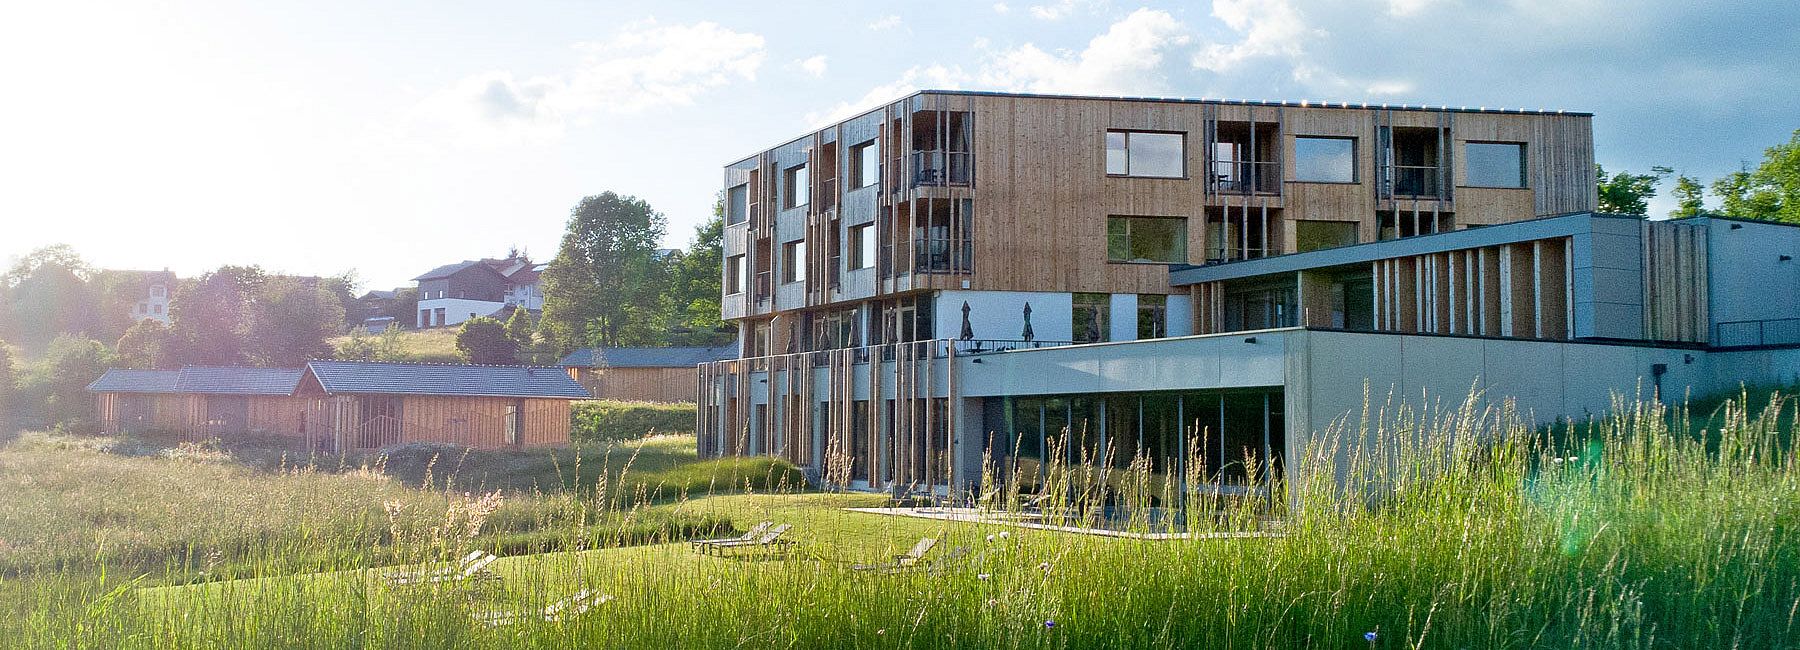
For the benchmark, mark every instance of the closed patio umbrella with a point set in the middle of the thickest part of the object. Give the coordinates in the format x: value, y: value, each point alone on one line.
x: 968, y: 331
x: 1027, y: 334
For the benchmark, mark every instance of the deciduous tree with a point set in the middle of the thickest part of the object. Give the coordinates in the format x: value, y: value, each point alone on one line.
x: 211, y: 317
x: 604, y: 282
x: 1690, y: 197
x: 144, y: 345
x: 1770, y: 191
x: 1628, y: 193
x: 291, y: 322
x: 484, y: 340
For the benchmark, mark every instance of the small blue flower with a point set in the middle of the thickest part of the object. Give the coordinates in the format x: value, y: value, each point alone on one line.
x: 1049, y: 625
x: 1370, y: 637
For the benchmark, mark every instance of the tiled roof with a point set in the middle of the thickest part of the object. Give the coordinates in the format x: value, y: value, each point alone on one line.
x: 648, y: 357
x: 120, y: 380
x: 445, y: 379
x: 238, y: 381
x: 200, y: 380
x: 448, y: 270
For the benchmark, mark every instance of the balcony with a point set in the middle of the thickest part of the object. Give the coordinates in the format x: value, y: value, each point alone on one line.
x: 1245, y: 177
x: 934, y: 255
x: 1415, y: 181
x: 943, y: 168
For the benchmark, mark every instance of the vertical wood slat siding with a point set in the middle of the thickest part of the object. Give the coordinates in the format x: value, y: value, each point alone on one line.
x: 639, y: 384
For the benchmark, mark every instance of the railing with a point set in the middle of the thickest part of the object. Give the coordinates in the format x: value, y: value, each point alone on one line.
x: 1751, y: 333
x: 1245, y: 177
x: 939, y: 168
x: 827, y: 195
x: 761, y: 285
x: 934, y: 255
x: 1413, y: 180
x: 984, y: 346
x: 938, y: 348
x: 834, y: 270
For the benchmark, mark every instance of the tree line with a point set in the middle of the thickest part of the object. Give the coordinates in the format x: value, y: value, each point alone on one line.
x: 1769, y: 191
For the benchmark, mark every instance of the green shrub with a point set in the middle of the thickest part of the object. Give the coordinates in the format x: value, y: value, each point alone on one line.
x: 603, y: 420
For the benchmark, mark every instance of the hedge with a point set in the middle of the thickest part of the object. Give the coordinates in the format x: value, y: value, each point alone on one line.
x: 609, y: 420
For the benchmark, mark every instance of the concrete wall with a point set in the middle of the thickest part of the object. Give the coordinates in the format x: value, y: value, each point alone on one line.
x: 1000, y: 315
x: 457, y: 310
x: 1749, y: 281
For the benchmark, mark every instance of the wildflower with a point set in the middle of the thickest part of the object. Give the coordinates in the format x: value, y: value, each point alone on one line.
x: 990, y: 539
x: 1045, y: 567
x: 1370, y: 636
x: 1558, y: 460
x: 1005, y: 534
x: 881, y: 632
x: 984, y: 576
x: 1049, y: 625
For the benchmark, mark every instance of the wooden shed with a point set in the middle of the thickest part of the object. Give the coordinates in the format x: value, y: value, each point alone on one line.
x: 202, y: 402
x: 642, y: 374
x: 369, y: 405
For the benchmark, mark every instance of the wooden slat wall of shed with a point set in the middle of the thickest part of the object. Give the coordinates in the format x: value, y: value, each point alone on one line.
x: 546, y: 422
x: 646, y: 384
x: 277, y: 414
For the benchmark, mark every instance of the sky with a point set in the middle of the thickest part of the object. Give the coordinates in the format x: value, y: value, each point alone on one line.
x: 390, y: 137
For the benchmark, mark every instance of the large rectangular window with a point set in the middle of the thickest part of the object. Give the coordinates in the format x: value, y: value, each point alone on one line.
x: 737, y: 204
x: 1146, y: 239
x: 734, y: 274
x: 1090, y: 317
x: 793, y: 261
x: 1152, y: 316
x: 1495, y: 164
x: 865, y: 164
x: 795, y: 190
x: 1146, y: 153
x: 1324, y: 160
x: 862, y: 246
x: 1312, y: 235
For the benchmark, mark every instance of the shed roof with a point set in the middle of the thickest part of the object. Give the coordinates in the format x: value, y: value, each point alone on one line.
x: 686, y: 357
x: 238, y: 380
x: 120, y: 380
x: 445, y: 379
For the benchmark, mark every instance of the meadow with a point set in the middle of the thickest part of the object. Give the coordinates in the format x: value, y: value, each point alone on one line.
x: 1650, y: 528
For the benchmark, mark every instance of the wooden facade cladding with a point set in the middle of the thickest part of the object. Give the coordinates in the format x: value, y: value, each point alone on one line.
x: 638, y: 384
x: 1038, y: 194
x: 1675, y: 266
x: 200, y: 417
x: 1520, y: 290
x: 347, y: 422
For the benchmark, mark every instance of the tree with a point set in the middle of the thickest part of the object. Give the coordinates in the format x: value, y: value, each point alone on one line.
x: 211, y: 317
x: 291, y: 322
x: 1690, y: 197
x: 694, y: 296
x: 8, y: 384
x: 1770, y: 191
x: 1628, y: 193
x: 70, y: 364
x: 484, y: 340
x: 143, y: 346
x: 604, y: 279
x: 519, y: 327
x: 47, y: 294
x: 342, y: 289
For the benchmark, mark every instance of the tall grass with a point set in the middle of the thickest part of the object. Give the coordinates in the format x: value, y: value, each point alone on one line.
x: 1455, y: 526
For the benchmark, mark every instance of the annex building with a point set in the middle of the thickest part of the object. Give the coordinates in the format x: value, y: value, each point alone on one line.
x: 961, y: 275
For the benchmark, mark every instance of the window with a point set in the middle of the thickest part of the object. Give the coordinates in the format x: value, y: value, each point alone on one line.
x: 793, y: 261
x: 1152, y: 316
x: 737, y: 203
x: 1144, y: 153
x: 156, y: 308
x: 1495, y: 164
x: 734, y: 274
x: 795, y: 189
x: 865, y: 164
x: 1325, y: 160
x: 438, y: 315
x: 1146, y: 239
x: 862, y: 246
x: 1090, y: 317
x: 1314, y: 235
x: 157, y: 291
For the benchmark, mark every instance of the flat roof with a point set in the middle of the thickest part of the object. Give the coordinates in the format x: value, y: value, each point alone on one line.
x: 1307, y: 103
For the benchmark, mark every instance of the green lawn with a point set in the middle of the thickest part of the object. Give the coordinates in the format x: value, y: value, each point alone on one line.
x: 437, y: 345
x: 1644, y: 534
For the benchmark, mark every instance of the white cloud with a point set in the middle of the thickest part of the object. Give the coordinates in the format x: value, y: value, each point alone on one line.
x: 1403, y: 8
x: 644, y: 66
x: 1267, y: 28
x: 935, y: 77
x: 1001, y: 8
x: 813, y: 65
x: 1062, y: 8
x: 885, y: 23
x: 1127, y: 59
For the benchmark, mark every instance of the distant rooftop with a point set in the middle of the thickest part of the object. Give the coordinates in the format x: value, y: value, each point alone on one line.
x: 445, y: 379
x: 683, y: 357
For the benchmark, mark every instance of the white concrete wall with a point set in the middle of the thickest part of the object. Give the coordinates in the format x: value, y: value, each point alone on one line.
x: 999, y: 315
x: 1181, y: 315
x: 1124, y: 317
x: 457, y: 310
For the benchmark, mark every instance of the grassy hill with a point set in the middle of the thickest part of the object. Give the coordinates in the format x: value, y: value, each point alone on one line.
x: 437, y: 345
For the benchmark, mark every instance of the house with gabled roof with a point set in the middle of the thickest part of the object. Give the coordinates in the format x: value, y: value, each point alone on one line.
x: 642, y: 374
x: 453, y: 293
x: 347, y: 405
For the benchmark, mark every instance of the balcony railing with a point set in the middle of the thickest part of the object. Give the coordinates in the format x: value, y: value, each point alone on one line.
x: 762, y: 283
x: 935, y: 255
x: 941, y: 168
x: 1414, y: 181
x: 1751, y: 333
x: 1245, y: 177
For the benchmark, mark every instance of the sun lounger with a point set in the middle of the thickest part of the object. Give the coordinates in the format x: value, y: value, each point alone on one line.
x: 904, y: 560
x: 471, y: 568
x: 753, y: 533
x: 574, y: 605
x: 770, y: 539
